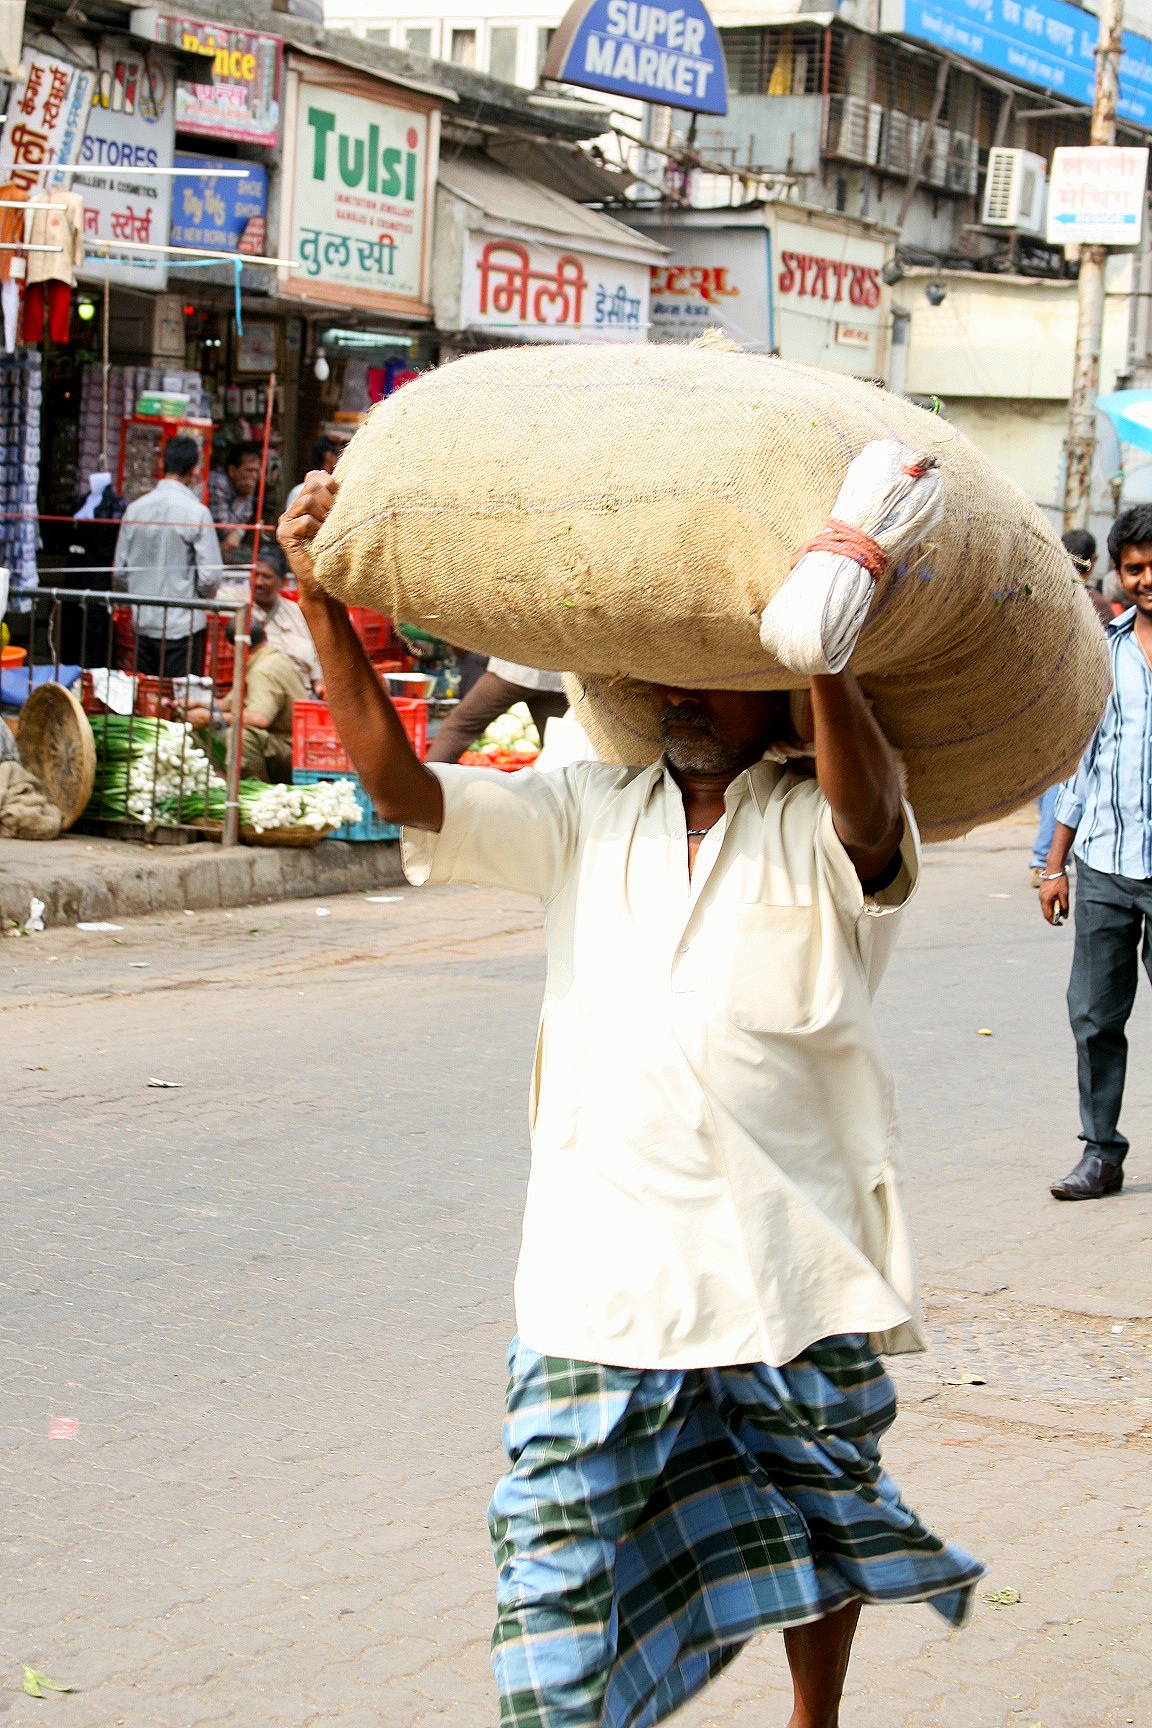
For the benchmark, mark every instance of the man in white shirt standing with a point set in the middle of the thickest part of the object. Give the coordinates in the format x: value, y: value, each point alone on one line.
x: 714, y: 1241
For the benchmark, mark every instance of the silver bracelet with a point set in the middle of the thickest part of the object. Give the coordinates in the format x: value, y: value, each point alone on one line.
x: 1056, y: 876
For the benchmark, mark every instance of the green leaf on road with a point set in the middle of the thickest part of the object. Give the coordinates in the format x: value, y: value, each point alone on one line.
x: 34, y: 1681
x: 1006, y: 1598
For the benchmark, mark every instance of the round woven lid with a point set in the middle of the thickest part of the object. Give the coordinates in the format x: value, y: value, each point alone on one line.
x: 56, y: 745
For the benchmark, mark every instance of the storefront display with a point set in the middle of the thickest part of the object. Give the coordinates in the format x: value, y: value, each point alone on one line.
x: 126, y: 386
x: 21, y: 398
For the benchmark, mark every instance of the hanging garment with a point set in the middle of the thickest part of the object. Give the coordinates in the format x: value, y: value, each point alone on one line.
x: 59, y: 298
x: 13, y: 197
x: 10, y: 307
x: 56, y: 222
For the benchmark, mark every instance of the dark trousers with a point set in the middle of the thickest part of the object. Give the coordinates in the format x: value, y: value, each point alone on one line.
x: 488, y: 698
x: 182, y: 655
x: 1113, y: 931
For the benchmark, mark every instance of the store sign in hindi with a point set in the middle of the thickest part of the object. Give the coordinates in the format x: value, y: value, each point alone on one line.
x: 1048, y: 43
x: 666, y: 54
x: 360, y: 194
x: 131, y: 129
x: 222, y: 214
x: 551, y: 293
x: 713, y: 278
x: 47, y: 118
x: 240, y: 93
x: 1096, y: 196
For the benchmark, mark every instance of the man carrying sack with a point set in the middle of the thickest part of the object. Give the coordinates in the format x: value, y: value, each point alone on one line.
x: 714, y: 1243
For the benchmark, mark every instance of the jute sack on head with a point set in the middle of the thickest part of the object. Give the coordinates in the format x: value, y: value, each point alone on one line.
x: 625, y: 514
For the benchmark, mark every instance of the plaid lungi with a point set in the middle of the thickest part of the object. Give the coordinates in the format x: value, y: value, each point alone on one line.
x: 653, y: 1521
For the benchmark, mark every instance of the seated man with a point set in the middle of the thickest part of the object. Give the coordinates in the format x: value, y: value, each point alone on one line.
x: 283, y: 620
x: 272, y: 688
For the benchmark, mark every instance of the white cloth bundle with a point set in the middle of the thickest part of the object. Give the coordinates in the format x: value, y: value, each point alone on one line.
x: 893, y: 496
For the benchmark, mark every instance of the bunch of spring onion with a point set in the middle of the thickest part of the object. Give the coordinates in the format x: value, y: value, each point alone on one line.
x: 147, y: 770
x: 322, y: 805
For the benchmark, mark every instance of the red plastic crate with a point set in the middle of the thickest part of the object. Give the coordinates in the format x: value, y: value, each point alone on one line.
x: 375, y: 631
x: 316, y: 742
x: 155, y: 697
x: 219, y: 653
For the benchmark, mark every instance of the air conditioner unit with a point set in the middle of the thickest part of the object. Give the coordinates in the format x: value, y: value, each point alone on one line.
x: 1015, y: 188
x: 963, y: 164
x: 853, y: 129
x: 895, y: 143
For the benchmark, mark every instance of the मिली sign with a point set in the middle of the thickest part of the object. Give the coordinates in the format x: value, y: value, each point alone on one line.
x: 550, y: 294
x: 131, y: 126
x: 240, y: 95
x: 1048, y: 43
x: 47, y: 117
x: 1096, y: 196
x: 669, y: 54
x: 228, y: 215
x: 359, y: 206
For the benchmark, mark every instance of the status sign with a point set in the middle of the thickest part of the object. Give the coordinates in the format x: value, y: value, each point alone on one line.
x: 669, y: 54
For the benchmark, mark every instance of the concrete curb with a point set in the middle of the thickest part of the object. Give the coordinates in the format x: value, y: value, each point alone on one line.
x: 79, y: 879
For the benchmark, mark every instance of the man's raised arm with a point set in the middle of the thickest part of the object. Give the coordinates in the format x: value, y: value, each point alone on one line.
x: 858, y: 774
x: 400, y: 787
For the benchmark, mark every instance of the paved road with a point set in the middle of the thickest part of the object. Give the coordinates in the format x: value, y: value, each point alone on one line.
x: 275, y: 1300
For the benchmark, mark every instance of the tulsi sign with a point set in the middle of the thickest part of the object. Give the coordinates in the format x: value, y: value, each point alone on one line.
x: 669, y: 54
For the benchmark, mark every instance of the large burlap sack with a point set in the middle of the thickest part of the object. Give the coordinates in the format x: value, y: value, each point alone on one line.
x: 625, y: 514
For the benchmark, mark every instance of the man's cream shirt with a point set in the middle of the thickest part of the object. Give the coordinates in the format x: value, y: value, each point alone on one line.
x: 716, y: 1172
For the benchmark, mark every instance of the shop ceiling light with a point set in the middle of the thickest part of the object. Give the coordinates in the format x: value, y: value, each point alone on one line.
x: 321, y: 368
x: 85, y: 309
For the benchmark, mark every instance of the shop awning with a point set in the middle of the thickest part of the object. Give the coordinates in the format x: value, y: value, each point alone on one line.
x: 507, y: 202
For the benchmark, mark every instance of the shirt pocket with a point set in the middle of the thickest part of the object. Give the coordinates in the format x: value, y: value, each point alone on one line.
x: 770, y: 985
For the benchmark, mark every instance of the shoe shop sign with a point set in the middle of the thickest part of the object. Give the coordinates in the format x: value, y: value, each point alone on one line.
x: 669, y: 54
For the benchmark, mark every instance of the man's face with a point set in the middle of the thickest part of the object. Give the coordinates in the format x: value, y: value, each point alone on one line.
x: 718, y: 732
x: 1135, y: 572
x: 265, y: 586
x: 244, y: 475
x: 331, y: 457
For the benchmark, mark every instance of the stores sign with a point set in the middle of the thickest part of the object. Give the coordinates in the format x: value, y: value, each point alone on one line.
x: 359, y: 198
x: 1048, y: 43
x: 550, y: 294
x: 668, y: 54
x: 240, y: 95
x: 1096, y: 197
x: 220, y: 214
x: 130, y: 130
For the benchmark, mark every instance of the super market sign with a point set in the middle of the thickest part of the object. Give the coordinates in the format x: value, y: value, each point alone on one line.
x: 667, y: 54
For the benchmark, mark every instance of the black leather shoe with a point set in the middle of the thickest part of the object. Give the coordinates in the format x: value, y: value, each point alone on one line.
x: 1092, y: 1179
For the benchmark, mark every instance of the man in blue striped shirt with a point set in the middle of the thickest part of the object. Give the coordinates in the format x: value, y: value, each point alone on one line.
x: 1104, y: 817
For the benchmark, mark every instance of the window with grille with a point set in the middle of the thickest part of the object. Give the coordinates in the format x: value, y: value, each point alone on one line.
x: 779, y: 62
x: 502, y: 44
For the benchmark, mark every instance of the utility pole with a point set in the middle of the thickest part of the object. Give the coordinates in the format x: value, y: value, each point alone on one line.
x: 1080, y: 445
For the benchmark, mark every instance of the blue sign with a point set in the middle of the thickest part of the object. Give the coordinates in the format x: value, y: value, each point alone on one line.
x: 1044, y: 42
x: 221, y: 215
x: 668, y: 54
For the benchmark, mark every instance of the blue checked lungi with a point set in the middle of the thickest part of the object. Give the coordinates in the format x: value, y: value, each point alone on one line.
x: 653, y: 1521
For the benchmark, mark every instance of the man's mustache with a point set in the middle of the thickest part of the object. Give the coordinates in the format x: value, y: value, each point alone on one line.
x: 688, y: 715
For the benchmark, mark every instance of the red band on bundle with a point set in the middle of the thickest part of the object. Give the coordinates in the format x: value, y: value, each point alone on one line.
x: 845, y: 540
x: 916, y: 470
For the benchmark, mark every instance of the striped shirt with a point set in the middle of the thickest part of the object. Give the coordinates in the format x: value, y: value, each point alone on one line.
x: 1109, y: 799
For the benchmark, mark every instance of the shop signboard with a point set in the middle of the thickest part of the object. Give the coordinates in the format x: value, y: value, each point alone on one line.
x: 222, y: 214
x: 668, y: 54
x: 1048, y: 43
x: 829, y: 297
x: 47, y: 116
x: 552, y: 293
x: 240, y: 94
x: 130, y: 129
x: 1096, y: 196
x: 361, y: 175
x: 714, y: 277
